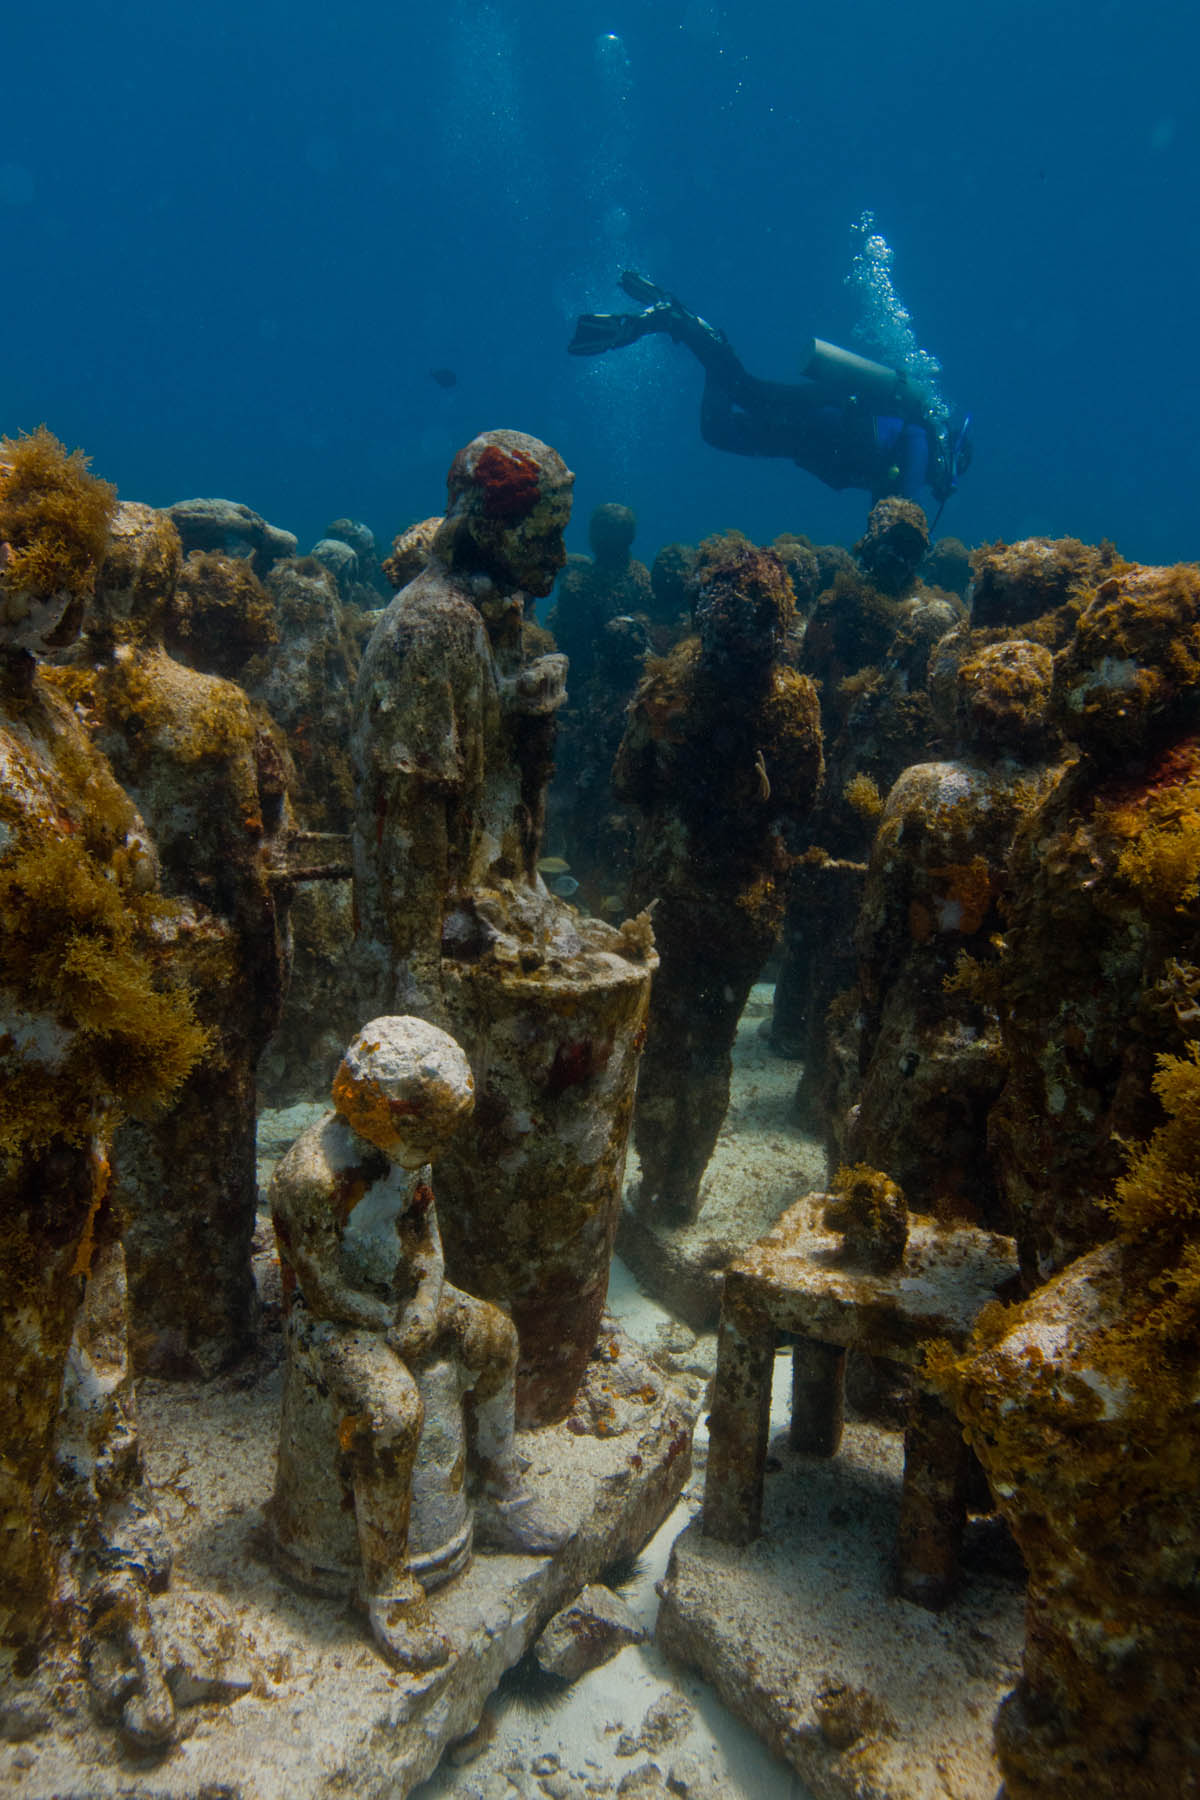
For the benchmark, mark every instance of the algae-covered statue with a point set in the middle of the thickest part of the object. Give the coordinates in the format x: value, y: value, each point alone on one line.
x: 917, y: 1052
x: 381, y: 1349
x: 721, y: 754
x: 602, y: 619
x: 94, y: 1029
x: 200, y: 762
x: 454, y: 720
x: 453, y: 735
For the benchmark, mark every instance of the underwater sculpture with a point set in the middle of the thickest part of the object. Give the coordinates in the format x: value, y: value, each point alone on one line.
x: 1079, y: 1400
x: 94, y: 1028
x: 894, y: 545
x: 370, y: 1493
x: 348, y: 551
x: 453, y: 733
x: 1082, y: 1401
x: 916, y: 1044
x: 600, y: 620
x: 721, y: 754
x: 867, y: 646
x: 1101, y: 963
x: 453, y: 725
x: 410, y: 552
x: 594, y: 590
x: 1082, y: 1406
x: 306, y: 683
x: 202, y: 764
x: 891, y: 1287
x: 234, y: 529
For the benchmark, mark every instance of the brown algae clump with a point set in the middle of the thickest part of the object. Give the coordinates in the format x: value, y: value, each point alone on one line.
x: 870, y: 1210
x: 54, y: 516
x: 1157, y: 1208
x: 73, y: 951
x: 861, y: 793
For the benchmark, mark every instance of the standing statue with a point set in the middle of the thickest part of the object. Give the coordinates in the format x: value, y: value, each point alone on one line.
x: 453, y: 737
x: 721, y: 754
x: 601, y: 620
x: 382, y: 1350
x: 96, y: 1026
x: 453, y: 724
x: 197, y: 758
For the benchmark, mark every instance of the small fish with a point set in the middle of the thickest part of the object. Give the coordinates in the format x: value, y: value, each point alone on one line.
x: 445, y: 378
x: 564, y: 887
x: 612, y: 903
x: 553, y: 865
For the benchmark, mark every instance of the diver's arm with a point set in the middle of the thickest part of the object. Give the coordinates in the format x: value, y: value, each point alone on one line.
x: 912, y: 458
x: 903, y: 452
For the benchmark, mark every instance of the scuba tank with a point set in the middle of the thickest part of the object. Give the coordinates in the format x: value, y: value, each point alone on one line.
x: 874, y: 385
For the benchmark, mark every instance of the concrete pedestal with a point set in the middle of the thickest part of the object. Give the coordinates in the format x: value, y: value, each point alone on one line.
x: 284, y: 1695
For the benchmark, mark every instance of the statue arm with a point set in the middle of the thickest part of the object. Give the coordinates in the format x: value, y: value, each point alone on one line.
x: 791, y: 747
x: 420, y: 1276
x: 309, y: 1208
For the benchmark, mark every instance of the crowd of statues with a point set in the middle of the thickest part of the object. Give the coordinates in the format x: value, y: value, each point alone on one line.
x: 963, y: 824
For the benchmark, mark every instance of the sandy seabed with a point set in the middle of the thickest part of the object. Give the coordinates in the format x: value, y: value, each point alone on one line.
x: 810, y: 1603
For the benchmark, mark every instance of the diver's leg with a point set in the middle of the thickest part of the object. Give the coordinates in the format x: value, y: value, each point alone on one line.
x: 726, y: 422
x: 752, y: 417
x: 597, y: 332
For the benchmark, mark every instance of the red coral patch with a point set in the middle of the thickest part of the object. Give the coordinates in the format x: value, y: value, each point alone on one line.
x: 509, y: 480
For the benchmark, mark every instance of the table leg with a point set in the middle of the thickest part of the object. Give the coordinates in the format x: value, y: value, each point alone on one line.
x: 933, y: 1509
x: 740, y: 1419
x: 818, y: 1382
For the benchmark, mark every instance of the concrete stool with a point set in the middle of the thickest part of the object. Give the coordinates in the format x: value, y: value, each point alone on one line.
x: 796, y: 1279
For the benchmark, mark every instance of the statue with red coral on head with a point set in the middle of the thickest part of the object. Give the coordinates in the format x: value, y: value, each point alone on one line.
x: 453, y: 735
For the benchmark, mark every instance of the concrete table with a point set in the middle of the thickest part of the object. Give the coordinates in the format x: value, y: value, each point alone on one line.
x: 797, y: 1280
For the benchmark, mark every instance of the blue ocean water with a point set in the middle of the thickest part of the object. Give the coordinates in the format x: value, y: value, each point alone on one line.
x: 238, y: 239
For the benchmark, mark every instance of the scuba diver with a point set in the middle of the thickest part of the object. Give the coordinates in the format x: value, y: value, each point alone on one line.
x: 852, y: 423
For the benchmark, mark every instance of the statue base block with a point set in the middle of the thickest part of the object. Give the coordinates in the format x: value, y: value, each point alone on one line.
x: 283, y: 1696
x: 804, y: 1637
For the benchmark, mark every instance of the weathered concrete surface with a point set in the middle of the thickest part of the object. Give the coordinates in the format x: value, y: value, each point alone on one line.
x: 320, y: 1713
x: 867, y: 1696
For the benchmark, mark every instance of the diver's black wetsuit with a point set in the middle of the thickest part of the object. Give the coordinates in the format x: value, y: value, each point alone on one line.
x: 837, y: 438
x: 840, y: 441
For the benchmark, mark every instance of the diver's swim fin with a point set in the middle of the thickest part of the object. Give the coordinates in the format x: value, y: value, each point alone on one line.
x: 641, y: 289
x: 597, y: 332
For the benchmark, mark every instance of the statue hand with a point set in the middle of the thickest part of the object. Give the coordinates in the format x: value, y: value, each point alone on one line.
x: 412, y: 1335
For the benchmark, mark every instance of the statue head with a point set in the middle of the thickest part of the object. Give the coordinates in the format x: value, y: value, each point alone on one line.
x: 744, y: 604
x: 509, y: 501
x: 406, y: 1087
x: 611, y: 531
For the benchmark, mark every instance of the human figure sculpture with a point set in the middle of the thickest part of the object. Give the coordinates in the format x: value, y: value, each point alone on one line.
x: 381, y: 1350
x: 453, y: 723
x: 198, y: 759
x: 916, y: 1060
x: 90, y: 1033
x: 721, y: 754
x: 452, y: 741
x: 601, y: 620
x: 593, y: 591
